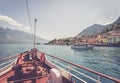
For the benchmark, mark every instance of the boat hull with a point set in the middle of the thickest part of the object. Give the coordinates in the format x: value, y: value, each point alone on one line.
x: 55, y: 73
x: 8, y: 72
x: 82, y: 47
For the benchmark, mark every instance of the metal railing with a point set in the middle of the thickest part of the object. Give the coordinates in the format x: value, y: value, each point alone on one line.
x: 70, y: 68
x: 80, y: 67
x: 9, y: 57
x: 87, y: 69
x: 3, y: 64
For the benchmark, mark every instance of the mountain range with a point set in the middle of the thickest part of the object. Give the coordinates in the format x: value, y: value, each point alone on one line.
x: 15, y: 36
x: 97, y: 28
x: 92, y: 30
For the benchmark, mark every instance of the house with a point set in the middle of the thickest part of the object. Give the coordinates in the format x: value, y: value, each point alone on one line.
x: 114, y: 37
x: 102, y: 38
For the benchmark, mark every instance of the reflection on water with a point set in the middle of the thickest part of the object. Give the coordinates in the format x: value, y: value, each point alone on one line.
x: 102, y: 59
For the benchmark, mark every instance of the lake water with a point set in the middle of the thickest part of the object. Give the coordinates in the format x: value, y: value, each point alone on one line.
x: 102, y: 59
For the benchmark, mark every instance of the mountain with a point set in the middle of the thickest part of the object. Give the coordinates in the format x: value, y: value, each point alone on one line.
x: 96, y: 28
x: 117, y: 21
x: 92, y: 30
x: 15, y: 36
x: 113, y: 26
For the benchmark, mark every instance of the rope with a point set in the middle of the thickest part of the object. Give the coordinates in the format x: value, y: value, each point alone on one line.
x: 29, y: 17
x: 28, y: 12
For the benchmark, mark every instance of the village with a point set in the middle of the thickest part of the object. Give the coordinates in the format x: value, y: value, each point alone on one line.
x: 112, y: 36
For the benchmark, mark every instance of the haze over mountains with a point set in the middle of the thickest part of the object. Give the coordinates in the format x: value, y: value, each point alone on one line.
x: 94, y: 29
x: 117, y: 21
x: 112, y: 24
x: 97, y: 28
x: 15, y: 36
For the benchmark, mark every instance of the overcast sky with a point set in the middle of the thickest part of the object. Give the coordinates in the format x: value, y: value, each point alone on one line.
x: 58, y: 18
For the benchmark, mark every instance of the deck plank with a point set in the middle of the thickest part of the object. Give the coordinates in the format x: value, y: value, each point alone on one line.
x: 42, y: 80
x: 3, y: 78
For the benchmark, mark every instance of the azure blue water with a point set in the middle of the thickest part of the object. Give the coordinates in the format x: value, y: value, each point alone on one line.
x: 102, y: 59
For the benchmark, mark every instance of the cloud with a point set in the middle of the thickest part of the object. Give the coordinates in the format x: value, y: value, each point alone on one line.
x: 108, y: 22
x: 14, y: 23
x: 27, y: 29
x: 10, y: 21
x: 111, y: 17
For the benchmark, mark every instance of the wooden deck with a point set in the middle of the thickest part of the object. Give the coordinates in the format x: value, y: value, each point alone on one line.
x: 3, y: 78
x: 29, y: 69
x: 36, y: 69
x: 42, y: 80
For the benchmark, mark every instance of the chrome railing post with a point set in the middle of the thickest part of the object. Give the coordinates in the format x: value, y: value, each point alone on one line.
x: 99, y: 79
x: 87, y: 69
x: 68, y: 68
x: 74, y: 81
